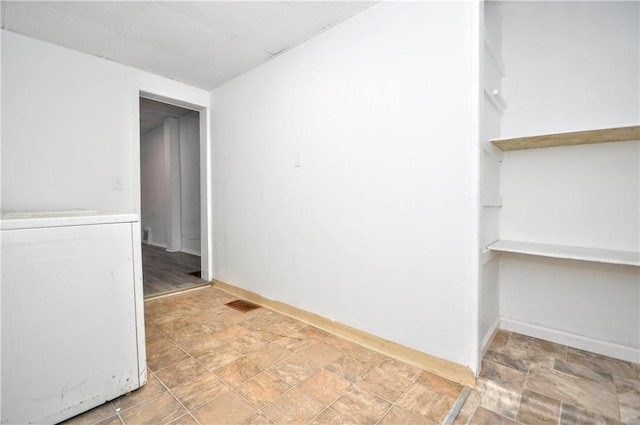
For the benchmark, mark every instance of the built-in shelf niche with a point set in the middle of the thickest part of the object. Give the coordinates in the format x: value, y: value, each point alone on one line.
x: 617, y: 134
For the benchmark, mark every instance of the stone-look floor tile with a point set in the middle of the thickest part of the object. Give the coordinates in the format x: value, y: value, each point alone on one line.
x: 159, y: 410
x: 270, y: 355
x: 200, y: 391
x: 536, y: 409
x: 628, y: 399
x: 151, y: 389
x: 536, y: 348
x: 325, y: 386
x: 215, y: 322
x: 440, y: 384
x: 597, y: 397
x: 171, y: 326
x: 509, y: 360
x: 218, y: 357
x: 400, y: 368
x: 259, y: 322
x: 113, y: 420
x: 262, y: 389
x: 483, y: 416
x: 271, y: 337
x: 361, y: 407
x: 601, y: 363
x: 295, y: 369
x: 231, y: 334
x: 350, y: 368
x: 315, y: 333
x: 500, y: 339
x: 156, y: 319
x: 184, y: 371
x: 366, y: 355
x: 287, y: 326
x: 339, y: 343
x: 228, y: 409
x: 240, y: 316
x: 238, y: 371
x: 468, y: 409
x: 158, y: 344
x: 157, y: 361
x: 331, y: 417
x: 97, y: 414
x: 583, y: 372
x: 294, y: 341
x: 198, y: 345
x: 150, y: 331
x: 185, y: 420
x: 572, y: 415
x: 294, y: 407
x: 398, y: 415
x: 258, y: 419
x: 385, y: 384
x: 184, y: 334
x: 249, y: 343
x: 505, y: 376
x: 500, y: 400
x: 320, y: 353
x: 427, y: 402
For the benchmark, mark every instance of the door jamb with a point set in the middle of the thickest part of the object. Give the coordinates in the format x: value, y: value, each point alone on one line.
x: 206, y: 233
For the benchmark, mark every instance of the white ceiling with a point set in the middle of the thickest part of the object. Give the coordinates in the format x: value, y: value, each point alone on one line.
x: 201, y: 43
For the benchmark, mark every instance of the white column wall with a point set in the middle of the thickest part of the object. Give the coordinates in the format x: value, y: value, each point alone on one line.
x: 153, y: 188
x: 190, y: 181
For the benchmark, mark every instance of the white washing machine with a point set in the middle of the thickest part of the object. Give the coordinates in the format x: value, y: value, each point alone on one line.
x: 72, y: 313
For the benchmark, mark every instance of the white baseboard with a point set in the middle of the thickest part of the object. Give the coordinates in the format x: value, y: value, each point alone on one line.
x: 158, y: 244
x: 621, y: 352
x: 488, y: 338
x: 190, y: 251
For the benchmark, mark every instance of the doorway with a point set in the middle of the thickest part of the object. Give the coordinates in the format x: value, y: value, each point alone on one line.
x: 170, y: 197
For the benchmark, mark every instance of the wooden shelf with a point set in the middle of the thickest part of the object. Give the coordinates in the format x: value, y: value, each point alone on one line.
x: 630, y: 258
x: 617, y: 134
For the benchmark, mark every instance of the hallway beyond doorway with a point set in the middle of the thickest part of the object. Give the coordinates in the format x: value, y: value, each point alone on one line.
x: 166, y: 272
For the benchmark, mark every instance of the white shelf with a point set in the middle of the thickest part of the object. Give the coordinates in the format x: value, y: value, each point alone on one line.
x: 630, y: 258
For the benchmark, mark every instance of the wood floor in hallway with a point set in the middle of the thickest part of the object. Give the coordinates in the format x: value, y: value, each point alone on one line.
x: 168, y: 271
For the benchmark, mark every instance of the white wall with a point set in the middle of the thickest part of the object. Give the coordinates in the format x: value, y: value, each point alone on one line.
x: 152, y: 186
x: 53, y: 100
x: 572, y: 66
x: 489, y: 176
x: 374, y: 229
x: 190, y: 181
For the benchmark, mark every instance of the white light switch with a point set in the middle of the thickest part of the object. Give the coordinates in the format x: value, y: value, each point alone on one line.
x: 297, y: 159
x: 116, y: 183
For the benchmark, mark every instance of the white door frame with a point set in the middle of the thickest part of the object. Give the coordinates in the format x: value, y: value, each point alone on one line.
x: 206, y: 239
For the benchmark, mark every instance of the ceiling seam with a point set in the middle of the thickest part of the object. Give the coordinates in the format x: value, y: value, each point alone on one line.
x: 122, y: 32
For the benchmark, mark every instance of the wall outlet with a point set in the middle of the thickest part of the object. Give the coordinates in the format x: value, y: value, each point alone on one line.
x: 116, y: 182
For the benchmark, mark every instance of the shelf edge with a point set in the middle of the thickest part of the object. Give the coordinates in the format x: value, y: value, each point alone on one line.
x: 560, y: 252
x: 616, y: 134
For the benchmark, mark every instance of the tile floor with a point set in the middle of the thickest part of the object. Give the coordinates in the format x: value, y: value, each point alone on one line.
x: 212, y: 365
x: 534, y: 382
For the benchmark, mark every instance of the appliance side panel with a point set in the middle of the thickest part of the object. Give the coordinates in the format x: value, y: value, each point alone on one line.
x: 68, y: 320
